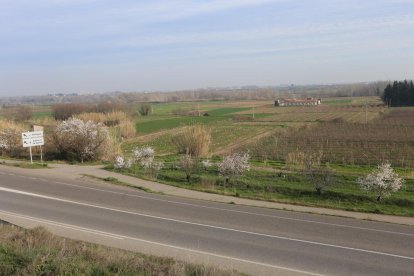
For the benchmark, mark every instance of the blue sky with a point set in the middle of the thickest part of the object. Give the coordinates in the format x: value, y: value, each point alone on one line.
x: 92, y: 46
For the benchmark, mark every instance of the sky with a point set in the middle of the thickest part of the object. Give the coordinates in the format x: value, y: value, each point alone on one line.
x: 94, y: 46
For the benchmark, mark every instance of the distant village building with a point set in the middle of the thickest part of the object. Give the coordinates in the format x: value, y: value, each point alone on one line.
x: 297, y: 102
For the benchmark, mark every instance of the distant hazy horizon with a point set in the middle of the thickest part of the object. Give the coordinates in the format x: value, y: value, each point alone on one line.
x: 94, y: 46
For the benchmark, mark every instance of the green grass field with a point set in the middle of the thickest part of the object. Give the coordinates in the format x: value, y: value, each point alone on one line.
x: 233, y: 128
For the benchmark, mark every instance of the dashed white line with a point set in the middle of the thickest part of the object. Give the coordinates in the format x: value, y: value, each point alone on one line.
x: 228, y: 210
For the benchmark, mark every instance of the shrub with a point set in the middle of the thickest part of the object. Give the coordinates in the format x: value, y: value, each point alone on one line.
x: 295, y: 160
x: 143, y: 155
x: 11, y: 138
x: 145, y: 158
x: 81, y: 140
x: 144, y: 109
x: 23, y: 113
x: 194, y: 140
x: 234, y: 165
x: 120, y: 125
x: 153, y: 168
x: 206, y: 164
x: 65, y: 111
x: 110, y: 106
x: 121, y: 163
x: 320, y: 176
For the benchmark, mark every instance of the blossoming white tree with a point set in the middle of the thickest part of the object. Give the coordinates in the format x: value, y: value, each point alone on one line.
x: 121, y: 163
x: 145, y: 158
x: 81, y: 140
x: 10, y: 138
x: 382, y: 181
x: 206, y: 164
x: 234, y: 165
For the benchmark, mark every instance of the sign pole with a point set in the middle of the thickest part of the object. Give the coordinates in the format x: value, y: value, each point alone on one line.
x: 33, y: 139
x: 31, y: 157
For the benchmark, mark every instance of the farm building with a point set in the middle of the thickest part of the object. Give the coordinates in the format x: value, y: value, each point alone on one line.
x: 297, y: 102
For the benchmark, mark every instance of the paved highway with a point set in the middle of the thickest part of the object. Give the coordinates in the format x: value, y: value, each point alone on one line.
x: 254, y: 240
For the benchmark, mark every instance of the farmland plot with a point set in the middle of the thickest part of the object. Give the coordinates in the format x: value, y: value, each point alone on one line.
x: 387, y: 138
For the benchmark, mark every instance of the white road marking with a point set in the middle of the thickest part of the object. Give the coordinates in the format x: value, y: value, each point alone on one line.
x: 232, y: 211
x: 64, y: 225
x: 122, y: 237
x: 206, y: 225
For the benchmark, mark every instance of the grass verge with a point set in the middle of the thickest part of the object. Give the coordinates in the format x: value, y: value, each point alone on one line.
x: 288, y: 187
x: 26, y: 165
x: 38, y: 252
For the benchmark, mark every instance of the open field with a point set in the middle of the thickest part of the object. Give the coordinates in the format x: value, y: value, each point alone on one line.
x: 353, y: 135
x: 388, y: 137
x: 237, y: 123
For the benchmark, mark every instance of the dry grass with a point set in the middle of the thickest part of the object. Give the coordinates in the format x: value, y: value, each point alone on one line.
x: 194, y: 140
x: 119, y: 123
x: 38, y: 252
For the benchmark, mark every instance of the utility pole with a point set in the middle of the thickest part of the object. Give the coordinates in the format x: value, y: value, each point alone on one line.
x: 366, y: 112
x: 253, y: 112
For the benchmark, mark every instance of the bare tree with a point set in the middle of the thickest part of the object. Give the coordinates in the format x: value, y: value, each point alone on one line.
x: 188, y: 165
x: 23, y: 113
x: 319, y: 175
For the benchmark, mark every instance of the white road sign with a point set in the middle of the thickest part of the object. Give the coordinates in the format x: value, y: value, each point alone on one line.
x: 33, y: 138
x: 32, y: 134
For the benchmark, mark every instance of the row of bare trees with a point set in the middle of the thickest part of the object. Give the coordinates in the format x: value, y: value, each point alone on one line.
x: 388, y: 138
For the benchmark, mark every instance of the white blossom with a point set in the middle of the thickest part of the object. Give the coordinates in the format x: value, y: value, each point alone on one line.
x: 383, y: 181
x: 121, y: 163
x: 152, y: 168
x: 144, y: 156
x: 83, y: 140
x: 206, y: 164
x: 10, y: 140
x: 234, y: 164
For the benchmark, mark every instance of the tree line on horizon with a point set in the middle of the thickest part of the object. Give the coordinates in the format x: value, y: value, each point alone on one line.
x: 207, y: 94
x: 400, y: 93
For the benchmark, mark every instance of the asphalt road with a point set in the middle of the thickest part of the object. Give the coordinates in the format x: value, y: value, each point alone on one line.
x: 254, y: 240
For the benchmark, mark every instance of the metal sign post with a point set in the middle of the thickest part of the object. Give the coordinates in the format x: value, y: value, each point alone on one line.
x: 31, y: 155
x: 39, y: 128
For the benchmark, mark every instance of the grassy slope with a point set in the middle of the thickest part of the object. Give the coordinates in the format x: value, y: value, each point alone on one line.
x: 38, y: 252
x: 266, y: 184
x: 229, y: 131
